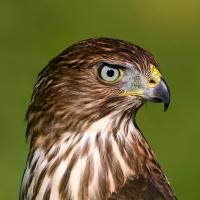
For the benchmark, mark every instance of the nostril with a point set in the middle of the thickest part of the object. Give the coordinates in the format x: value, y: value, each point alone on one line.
x: 152, y: 81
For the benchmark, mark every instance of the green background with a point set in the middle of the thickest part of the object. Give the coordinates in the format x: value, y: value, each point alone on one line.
x: 33, y: 32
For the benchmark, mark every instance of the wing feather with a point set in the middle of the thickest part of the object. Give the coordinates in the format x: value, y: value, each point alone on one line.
x: 140, y: 189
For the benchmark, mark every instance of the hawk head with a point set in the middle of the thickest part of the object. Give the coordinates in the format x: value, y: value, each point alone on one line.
x: 84, y: 141
x: 89, y: 80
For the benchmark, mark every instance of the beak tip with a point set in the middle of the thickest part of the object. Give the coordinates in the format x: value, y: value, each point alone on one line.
x: 166, y: 98
x: 166, y: 107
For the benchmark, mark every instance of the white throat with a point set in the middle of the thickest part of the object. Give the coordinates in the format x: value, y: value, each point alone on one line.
x: 87, y: 152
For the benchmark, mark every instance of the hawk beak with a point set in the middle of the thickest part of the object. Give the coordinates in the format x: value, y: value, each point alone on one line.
x: 158, y: 93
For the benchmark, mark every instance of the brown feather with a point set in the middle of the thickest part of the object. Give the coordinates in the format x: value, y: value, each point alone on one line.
x: 68, y: 99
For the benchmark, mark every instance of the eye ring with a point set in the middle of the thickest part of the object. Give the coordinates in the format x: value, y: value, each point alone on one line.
x: 110, y: 73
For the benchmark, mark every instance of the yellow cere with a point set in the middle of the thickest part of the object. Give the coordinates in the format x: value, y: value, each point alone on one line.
x: 155, y: 76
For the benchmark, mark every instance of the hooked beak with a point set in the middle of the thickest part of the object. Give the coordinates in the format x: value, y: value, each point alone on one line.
x: 159, y: 93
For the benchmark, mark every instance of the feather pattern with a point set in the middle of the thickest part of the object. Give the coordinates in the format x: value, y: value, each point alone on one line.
x: 85, y: 144
x: 117, y: 160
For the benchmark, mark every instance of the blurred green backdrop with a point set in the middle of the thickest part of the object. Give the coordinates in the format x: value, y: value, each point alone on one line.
x: 32, y: 32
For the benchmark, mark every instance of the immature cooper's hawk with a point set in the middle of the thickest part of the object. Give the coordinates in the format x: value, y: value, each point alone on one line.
x: 85, y: 144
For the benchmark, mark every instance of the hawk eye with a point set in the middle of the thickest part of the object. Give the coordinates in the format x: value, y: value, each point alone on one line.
x: 110, y: 73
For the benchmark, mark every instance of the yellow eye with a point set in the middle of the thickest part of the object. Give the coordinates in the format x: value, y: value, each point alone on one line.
x: 110, y: 73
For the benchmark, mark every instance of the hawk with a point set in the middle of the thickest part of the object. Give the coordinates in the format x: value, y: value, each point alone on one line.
x: 84, y: 141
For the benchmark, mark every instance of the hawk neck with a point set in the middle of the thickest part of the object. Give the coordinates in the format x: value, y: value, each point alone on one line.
x: 88, y: 165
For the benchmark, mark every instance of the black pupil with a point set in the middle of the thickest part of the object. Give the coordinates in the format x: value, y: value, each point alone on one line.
x: 110, y: 73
